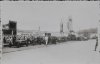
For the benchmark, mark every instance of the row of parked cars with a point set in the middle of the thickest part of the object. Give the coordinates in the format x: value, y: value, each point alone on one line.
x: 78, y: 38
x: 20, y: 40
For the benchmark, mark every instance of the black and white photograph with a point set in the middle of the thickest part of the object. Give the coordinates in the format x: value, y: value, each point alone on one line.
x: 50, y: 32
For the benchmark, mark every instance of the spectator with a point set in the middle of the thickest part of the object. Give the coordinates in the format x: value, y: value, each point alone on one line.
x: 96, y: 45
x: 4, y: 40
x: 46, y: 39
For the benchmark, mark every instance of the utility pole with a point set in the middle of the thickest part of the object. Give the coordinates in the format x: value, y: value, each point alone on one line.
x: 61, y: 28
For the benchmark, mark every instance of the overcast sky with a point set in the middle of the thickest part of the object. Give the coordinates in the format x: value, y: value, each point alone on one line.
x: 48, y: 15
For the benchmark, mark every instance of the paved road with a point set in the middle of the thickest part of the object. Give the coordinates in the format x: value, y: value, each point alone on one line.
x: 15, y: 49
x: 76, y: 52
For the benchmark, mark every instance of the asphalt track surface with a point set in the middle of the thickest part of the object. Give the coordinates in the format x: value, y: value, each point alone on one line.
x: 73, y: 52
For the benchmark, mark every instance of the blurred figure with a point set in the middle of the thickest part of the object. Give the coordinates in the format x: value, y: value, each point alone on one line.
x: 10, y: 41
x: 4, y: 40
x: 46, y: 39
x: 14, y: 39
x: 96, y: 45
x: 38, y: 40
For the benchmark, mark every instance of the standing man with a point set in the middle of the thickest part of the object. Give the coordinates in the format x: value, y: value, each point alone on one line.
x: 46, y: 39
x: 96, y: 45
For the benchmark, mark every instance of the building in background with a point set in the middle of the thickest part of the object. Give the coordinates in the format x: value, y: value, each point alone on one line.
x: 69, y: 25
x: 10, y: 28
